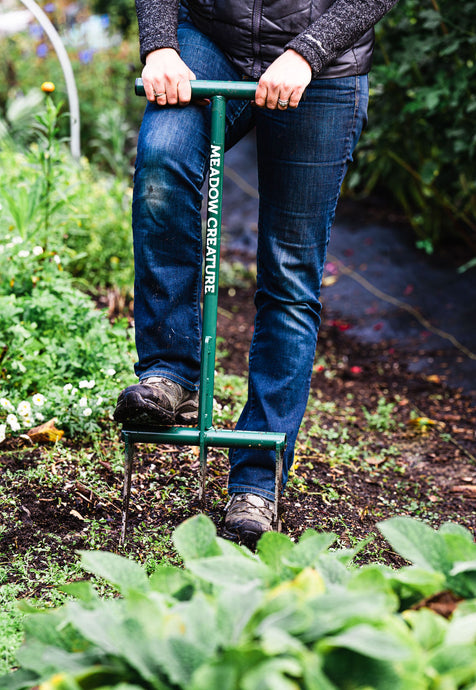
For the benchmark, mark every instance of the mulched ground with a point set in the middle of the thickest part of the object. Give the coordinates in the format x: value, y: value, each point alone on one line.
x: 430, y: 471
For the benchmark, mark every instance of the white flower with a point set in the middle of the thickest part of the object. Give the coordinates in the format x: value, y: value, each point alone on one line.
x: 13, y: 422
x: 2, y: 248
x: 110, y: 372
x: 83, y: 402
x: 24, y: 408
x: 67, y: 387
x: 56, y: 259
x: 100, y: 400
x: 17, y: 240
x: 38, y: 400
x: 37, y: 250
x: 87, y: 384
x: 3, y: 432
x: 87, y: 412
x: 6, y: 404
x: 23, y: 253
x: 40, y: 417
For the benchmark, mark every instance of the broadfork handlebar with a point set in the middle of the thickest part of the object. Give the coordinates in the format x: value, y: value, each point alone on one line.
x: 202, y: 88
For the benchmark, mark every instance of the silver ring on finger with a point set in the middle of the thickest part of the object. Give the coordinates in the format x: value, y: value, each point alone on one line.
x: 283, y: 104
x: 158, y: 95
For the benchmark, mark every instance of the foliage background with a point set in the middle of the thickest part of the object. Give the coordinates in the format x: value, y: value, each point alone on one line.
x: 420, y: 148
x: 418, y: 153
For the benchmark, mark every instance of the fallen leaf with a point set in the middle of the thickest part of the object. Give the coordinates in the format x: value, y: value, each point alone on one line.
x: 443, y: 603
x: 331, y: 268
x: 375, y: 460
x: 341, y: 325
x: 46, y: 432
x: 421, y: 423
x: 464, y: 489
x: 433, y: 378
x: 75, y: 514
x: 327, y: 281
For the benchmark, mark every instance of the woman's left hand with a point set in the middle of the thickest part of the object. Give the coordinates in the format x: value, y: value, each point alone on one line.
x: 283, y: 83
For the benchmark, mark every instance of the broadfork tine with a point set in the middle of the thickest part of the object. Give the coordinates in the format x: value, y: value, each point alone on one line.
x: 126, y: 494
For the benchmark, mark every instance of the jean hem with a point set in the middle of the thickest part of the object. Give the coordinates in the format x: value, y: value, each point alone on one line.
x: 242, y: 489
x: 171, y: 376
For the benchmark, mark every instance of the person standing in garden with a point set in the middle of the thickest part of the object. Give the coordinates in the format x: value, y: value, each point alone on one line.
x: 311, y: 59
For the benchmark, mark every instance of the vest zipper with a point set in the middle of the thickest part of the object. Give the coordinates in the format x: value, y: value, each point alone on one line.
x: 255, y: 31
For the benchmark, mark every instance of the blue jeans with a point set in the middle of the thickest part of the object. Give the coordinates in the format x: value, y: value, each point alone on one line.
x: 303, y: 155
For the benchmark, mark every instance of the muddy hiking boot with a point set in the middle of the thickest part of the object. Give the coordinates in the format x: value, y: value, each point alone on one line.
x: 248, y: 516
x: 159, y: 401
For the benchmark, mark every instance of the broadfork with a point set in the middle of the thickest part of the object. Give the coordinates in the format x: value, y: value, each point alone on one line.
x: 204, y: 435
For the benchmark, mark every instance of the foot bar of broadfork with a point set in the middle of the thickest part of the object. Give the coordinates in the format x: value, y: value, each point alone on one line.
x: 205, y: 435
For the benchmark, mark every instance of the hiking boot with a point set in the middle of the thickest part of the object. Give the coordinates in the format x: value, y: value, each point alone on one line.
x: 158, y: 401
x: 248, y: 516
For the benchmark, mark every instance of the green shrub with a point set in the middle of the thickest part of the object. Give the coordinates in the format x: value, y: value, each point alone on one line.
x: 67, y: 207
x: 54, y: 343
x: 295, y: 615
x: 104, y: 80
x: 420, y: 147
x: 59, y: 225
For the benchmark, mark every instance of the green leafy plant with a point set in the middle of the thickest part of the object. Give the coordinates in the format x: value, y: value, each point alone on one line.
x: 420, y: 148
x: 293, y: 615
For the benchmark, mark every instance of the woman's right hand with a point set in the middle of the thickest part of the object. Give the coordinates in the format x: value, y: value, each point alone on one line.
x: 166, y: 78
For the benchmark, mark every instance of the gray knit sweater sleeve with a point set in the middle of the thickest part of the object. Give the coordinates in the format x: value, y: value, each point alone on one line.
x: 337, y: 30
x: 158, y: 21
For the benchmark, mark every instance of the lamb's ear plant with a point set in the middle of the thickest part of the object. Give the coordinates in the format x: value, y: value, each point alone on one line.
x: 290, y: 616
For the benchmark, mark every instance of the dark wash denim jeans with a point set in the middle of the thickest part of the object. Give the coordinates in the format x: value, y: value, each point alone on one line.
x: 303, y: 155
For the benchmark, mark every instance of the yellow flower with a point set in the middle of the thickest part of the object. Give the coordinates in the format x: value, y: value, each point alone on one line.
x: 48, y: 87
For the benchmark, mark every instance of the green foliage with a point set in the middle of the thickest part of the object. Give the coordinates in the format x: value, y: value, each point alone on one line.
x: 67, y: 208
x: 53, y: 341
x: 104, y: 79
x: 122, y: 13
x: 421, y: 144
x: 293, y: 615
x: 381, y: 419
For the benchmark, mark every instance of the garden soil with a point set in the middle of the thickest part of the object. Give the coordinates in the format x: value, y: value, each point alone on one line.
x: 430, y: 472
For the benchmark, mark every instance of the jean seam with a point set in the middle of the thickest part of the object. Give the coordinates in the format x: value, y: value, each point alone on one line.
x: 246, y: 489
x: 172, y: 376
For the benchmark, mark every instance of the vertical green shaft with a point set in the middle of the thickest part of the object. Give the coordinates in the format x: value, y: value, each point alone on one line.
x: 212, y: 260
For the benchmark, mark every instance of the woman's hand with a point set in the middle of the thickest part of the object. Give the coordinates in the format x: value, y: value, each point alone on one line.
x: 283, y: 83
x: 166, y: 78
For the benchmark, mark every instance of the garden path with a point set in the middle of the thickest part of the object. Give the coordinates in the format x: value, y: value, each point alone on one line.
x: 377, y: 284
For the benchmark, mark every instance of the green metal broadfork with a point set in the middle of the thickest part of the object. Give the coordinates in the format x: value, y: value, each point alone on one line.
x: 204, y: 435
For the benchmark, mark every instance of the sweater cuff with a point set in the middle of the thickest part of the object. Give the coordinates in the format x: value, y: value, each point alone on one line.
x: 156, y: 43
x: 310, y: 50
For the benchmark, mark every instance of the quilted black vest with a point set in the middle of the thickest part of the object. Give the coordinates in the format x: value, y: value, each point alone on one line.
x: 252, y: 33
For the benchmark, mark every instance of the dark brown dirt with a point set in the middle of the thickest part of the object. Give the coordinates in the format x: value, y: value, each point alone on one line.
x: 424, y: 468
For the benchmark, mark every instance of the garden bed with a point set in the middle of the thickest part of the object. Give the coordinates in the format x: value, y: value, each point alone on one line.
x: 377, y: 441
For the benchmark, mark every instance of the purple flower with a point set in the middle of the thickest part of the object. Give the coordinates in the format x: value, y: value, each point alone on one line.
x: 36, y: 31
x: 104, y: 21
x: 42, y: 50
x: 85, y: 56
x: 49, y: 7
